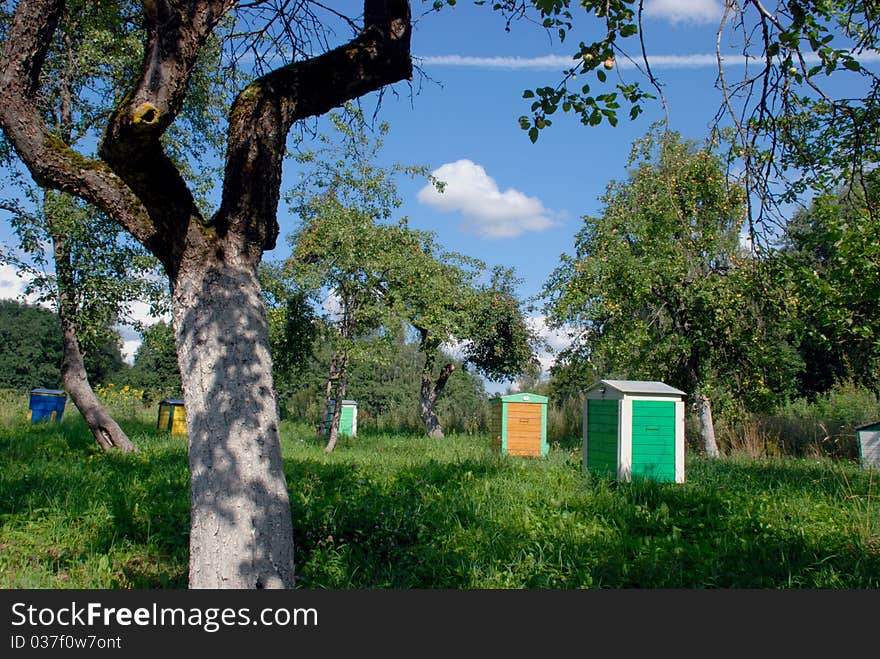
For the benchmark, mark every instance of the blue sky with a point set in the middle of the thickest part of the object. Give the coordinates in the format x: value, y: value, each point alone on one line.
x: 509, y: 201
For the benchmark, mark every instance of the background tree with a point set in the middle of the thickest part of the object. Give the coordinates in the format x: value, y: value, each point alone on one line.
x: 94, y: 272
x: 649, y: 285
x: 237, y: 479
x: 155, y: 368
x: 437, y: 293
x: 32, y: 350
x: 348, y: 261
x: 831, y: 255
x: 431, y: 290
x: 344, y: 247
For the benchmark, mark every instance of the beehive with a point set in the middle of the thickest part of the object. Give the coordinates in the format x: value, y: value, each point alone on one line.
x: 347, y: 417
x: 172, y: 417
x: 519, y: 424
x: 634, y: 428
x: 869, y: 445
x: 46, y: 405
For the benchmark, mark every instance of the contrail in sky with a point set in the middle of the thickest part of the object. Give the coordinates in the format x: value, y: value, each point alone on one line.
x: 556, y: 62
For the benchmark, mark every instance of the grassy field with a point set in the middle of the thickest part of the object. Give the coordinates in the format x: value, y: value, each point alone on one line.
x: 397, y: 511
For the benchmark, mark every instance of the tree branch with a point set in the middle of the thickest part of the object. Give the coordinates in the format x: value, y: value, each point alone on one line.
x: 51, y: 162
x: 176, y: 32
x: 264, y: 112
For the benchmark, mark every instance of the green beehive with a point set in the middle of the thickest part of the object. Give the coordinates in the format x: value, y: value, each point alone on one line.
x: 869, y: 445
x: 347, y: 417
x: 634, y: 428
x: 519, y: 424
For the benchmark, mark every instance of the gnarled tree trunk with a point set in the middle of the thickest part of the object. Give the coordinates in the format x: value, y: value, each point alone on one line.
x: 76, y: 382
x: 73, y: 370
x: 704, y: 408
x: 431, y: 389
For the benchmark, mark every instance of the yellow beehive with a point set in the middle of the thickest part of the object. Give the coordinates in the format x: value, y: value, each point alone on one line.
x: 172, y: 417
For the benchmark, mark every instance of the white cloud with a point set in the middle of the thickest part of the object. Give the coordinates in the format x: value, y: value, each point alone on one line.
x: 541, y: 63
x: 454, y: 349
x: 129, y: 349
x: 487, y: 211
x: 131, y: 339
x: 332, y: 306
x: 12, y: 284
x: 685, y: 11
x: 556, y: 340
x: 658, y: 62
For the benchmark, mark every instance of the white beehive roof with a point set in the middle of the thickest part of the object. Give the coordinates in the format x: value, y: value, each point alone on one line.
x: 638, y: 387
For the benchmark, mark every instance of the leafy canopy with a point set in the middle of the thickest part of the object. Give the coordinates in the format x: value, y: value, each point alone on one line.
x: 654, y: 289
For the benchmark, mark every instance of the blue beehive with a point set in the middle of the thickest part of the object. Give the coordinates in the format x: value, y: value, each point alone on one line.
x: 47, y: 405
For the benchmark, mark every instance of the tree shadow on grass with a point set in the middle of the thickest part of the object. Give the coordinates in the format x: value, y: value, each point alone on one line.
x: 458, y: 524
x: 441, y: 525
x: 80, y: 504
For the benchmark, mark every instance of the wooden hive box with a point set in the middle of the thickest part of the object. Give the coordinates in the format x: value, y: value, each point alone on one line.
x: 869, y: 445
x: 634, y: 428
x: 519, y: 424
x: 172, y: 417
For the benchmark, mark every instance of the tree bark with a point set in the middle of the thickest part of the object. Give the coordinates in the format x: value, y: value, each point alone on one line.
x: 341, y: 384
x: 73, y: 370
x: 704, y: 407
x: 323, y: 430
x: 707, y: 426
x: 241, y: 532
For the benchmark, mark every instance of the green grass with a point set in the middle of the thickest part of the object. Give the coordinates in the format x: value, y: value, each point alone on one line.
x: 400, y: 511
